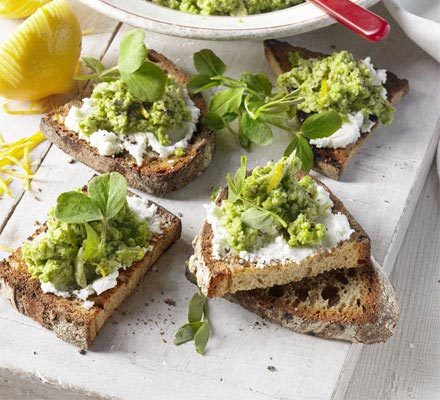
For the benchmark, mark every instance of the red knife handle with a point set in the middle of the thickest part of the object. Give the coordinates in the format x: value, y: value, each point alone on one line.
x: 360, y: 20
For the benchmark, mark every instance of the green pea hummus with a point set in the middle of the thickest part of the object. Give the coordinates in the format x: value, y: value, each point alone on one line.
x: 227, y: 7
x: 55, y: 257
x: 274, y: 188
x: 116, y: 110
x: 337, y: 82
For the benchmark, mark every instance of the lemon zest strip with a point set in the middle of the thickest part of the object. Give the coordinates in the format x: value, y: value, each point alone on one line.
x: 7, y: 249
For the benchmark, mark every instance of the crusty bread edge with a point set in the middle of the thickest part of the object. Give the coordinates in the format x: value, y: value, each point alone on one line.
x: 74, y: 323
x: 167, y: 178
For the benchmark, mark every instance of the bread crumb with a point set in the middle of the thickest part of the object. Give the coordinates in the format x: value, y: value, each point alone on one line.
x: 271, y: 368
x: 170, y: 302
x: 82, y: 352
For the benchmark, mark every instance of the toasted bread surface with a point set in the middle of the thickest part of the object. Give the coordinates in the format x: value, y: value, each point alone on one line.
x: 329, y: 162
x: 232, y: 274
x: 68, y: 318
x: 156, y: 175
x: 354, y: 304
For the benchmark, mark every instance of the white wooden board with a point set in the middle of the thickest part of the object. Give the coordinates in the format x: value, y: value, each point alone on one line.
x: 130, y: 359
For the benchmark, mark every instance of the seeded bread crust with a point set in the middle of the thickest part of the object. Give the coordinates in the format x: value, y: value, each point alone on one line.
x: 156, y: 175
x: 67, y: 317
x: 231, y: 274
x: 329, y: 162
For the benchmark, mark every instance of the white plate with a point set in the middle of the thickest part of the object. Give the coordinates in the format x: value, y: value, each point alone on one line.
x: 143, y: 14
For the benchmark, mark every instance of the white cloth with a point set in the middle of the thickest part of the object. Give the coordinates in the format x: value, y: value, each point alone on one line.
x: 420, y: 20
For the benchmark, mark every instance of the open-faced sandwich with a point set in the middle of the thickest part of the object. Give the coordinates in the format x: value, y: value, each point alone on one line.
x: 94, y: 249
x: 281, y: 244
x: 139, y: 121
x: 361, y: 94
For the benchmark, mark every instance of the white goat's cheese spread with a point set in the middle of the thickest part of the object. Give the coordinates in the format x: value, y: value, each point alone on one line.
x: 278, y: 250
x: 136, y: 144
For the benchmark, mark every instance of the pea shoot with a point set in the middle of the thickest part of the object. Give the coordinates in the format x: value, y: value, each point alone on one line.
x: 249, y: 108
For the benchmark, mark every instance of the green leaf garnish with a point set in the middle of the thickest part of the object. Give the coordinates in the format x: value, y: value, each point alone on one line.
x: 225, y: 102
x: 321, y: 125
x: 76, y: 208
x: 199, y: 83
x: 258, y: 219
x: 196, y: 306
x: 304, y: 153
x: 147, y: 83
x: 201, y: 337
x: 236, y: 185
x: 132, y: 51
x: 256, y: 131
x: 108, y: 192
x: 213, y: 121
x: 94, y: 64
x: 207, y: 63
x: 91, y: 248
x: 259, y: 83
x: 186, y: 333
x: 198, y: 327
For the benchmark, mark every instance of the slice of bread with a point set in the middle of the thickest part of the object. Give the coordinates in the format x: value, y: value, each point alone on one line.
x: 156, y: 175
x: 68, y: 318
x: 329, y: 162
x: 232, y: 274
x: 353, y: 304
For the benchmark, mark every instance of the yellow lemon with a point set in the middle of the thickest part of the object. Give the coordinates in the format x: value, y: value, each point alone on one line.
x: 19, y: 8
x: 40, y: 57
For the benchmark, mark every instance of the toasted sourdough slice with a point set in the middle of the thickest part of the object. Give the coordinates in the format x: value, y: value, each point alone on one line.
x: 353, y: 304
x: 156, y: 175
x: 68, y: 318
x: 329, y: 162
x: 231, y: 274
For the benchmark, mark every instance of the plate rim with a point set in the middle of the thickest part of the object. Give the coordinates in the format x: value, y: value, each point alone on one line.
x: 168, y: 27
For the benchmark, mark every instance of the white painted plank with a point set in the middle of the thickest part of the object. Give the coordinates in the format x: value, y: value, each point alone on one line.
x: 382, y: 186
x: 408, y: 366
x: 13, y: 127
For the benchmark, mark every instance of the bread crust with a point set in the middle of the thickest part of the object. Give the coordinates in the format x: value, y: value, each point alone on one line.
x: 216, y: 278
x: 155, y: 175
x: 373, y: 320
x: 68, y: 318
x: 329, y: 162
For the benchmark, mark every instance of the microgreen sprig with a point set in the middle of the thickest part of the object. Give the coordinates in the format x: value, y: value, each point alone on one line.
x: 105, y: 198
x: 145, y: 80
x: 255, y: 108
x: 198, y: 327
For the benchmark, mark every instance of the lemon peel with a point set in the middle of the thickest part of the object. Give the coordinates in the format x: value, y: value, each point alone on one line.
x: 6, y: 249
x: 17, y: 154
x: 20, y: 9
x: 39, y: 58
